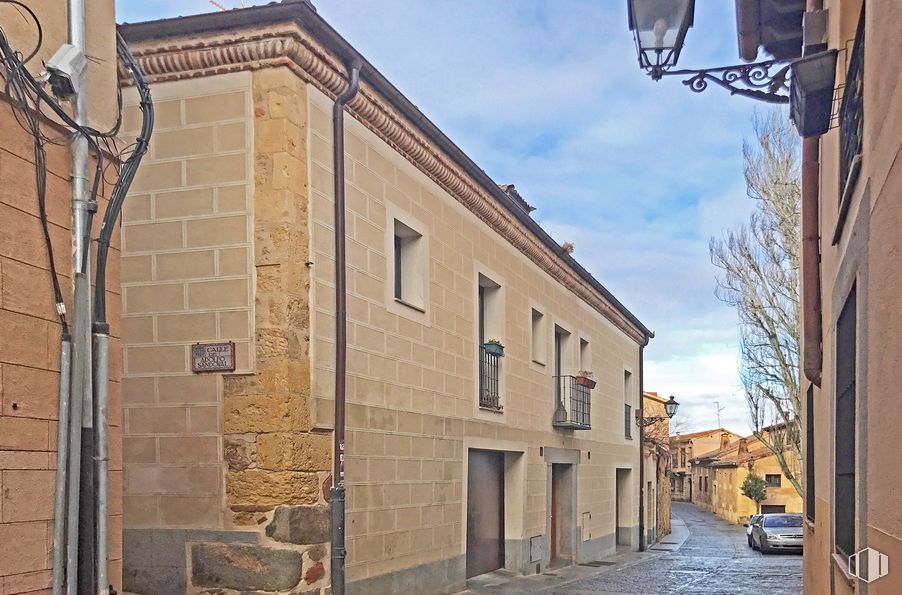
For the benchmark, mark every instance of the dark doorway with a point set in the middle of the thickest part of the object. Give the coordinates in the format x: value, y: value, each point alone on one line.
x: 485, y: 512
x: 561, y: 512
x: 622, y: 507
x: 772, y: 508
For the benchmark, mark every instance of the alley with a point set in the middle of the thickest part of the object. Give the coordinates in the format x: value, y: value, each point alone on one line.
x: 713, y: 560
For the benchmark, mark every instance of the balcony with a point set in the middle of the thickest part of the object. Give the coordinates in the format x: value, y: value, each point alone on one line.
x: 489, y: 379
x: 573, y: 404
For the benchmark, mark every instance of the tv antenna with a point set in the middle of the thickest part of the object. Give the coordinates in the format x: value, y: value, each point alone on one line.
x: 719, y: 409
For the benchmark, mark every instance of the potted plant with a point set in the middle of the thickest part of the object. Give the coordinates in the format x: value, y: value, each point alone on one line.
x: 584, y: 378
x: 494, y: 347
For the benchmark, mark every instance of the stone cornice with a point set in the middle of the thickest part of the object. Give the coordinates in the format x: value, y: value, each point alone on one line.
x: 289, y: 45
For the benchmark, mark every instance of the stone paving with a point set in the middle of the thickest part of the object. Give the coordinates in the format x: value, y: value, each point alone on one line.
x: 714, y: 560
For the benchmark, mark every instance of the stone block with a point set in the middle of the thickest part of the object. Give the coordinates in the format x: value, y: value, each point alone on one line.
x: 154, y: 298
x: 233, y: 261
x: 189, y: 449
x: 302, y: 525
x: 244, y: 567
x: 216, y: 169
x: 189, y: 511
x: 239, y: 451
x: 213, y: 108
x: 231, y: 199
x: 217, y: 231
x: 180, y: 143
x: 264, y: 413
x: 255, y: 489
x: 172, y: 359
x: 217, y: 294
x: 185, y: 265
x: 158, y: 176
x: 294, y: 451
x: 27, y: 496
x: 183, y: 203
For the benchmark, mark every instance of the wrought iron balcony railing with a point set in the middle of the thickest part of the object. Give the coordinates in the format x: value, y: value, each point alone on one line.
x: 850, y: 115
x: 573, y: 404
x: 489, y: 380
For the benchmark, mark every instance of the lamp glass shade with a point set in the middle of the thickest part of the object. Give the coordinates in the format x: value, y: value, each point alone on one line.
x: 671, y: 406
x: 660, y: 28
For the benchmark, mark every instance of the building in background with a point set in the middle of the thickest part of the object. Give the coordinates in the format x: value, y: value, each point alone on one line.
x: 683, y: 449
x: 30, y: 331
x: 718, y: 476
x: 463, y: 456
x: 656, y: 451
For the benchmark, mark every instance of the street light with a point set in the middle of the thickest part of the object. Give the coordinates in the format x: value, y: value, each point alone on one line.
x: 659, y: 28
x: 670, y: 408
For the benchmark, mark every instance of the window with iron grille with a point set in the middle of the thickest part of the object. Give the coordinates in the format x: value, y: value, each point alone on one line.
x: 844, y: 500
x: 851, y: 114
x: 809, y: 453
x: 489, y: 312
x: 628, y: 421
x: 773, y: 480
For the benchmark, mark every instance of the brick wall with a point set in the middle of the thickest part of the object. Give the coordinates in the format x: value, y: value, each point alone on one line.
x: 186, y: 266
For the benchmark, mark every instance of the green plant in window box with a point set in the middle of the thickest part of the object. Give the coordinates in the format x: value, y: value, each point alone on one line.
x: 584, y: 378
x: 494, y: 347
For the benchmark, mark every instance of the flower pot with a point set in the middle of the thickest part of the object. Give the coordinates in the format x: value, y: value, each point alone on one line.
x: 494, y: 349
x: 586, y: 381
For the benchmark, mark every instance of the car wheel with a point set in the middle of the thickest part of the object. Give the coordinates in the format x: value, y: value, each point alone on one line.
x: 764, y: 548
x: 754, y: 545
x: 750, y: 541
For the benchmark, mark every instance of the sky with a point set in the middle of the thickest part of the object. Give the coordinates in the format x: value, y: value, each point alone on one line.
x: 637, y: 174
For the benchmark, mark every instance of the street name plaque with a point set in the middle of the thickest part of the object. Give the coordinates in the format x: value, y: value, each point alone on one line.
x: 213, y: 357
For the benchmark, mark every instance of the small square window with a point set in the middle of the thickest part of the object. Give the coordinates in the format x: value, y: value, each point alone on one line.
x: 538, y: 337
x: 409, y: 266
x: 773, y: 480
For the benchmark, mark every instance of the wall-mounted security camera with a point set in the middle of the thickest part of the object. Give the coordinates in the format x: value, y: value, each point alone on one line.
x: 64, y: 71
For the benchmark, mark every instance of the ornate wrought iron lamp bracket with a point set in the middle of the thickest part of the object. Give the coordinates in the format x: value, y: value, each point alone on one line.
x: 748, y: 80
x: 644, y: 422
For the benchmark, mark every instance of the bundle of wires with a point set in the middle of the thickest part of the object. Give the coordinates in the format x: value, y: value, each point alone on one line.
x: 28, y: 98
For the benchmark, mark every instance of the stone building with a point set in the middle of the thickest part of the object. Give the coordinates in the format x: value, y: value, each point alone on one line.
x: 684, y: 448
x: 718, y: 476
x: 851, y: 272
x: 30, y: 331
x: 459, y: 460
x: 656, y: 451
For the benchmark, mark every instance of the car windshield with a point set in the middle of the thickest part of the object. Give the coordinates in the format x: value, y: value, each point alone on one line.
x: 782, y: 520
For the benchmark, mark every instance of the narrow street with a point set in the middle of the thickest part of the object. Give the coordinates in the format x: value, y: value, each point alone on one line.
x: 715, y: 559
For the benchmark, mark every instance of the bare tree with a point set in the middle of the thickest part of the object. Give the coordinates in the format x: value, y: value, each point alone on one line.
x: 759, y: 276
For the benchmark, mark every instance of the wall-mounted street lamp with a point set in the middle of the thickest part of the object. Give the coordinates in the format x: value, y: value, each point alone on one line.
x: 659, y: 28
x: 670, y: 408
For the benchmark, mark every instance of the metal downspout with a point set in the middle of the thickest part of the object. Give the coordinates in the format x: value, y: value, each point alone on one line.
x: 641, y: 447
x: 812, y: 324
x: 80, y: 534
x: 341, y: 341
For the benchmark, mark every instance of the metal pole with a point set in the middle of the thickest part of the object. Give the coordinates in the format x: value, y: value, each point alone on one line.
x: 102, y: 461
x: 59, y: 502
x: 341, y: 341
x: 641, y: 451
x: 75, y: 435
x: 81, y: 472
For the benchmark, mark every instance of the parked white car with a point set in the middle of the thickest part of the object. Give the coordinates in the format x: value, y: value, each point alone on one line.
x: 748, y: 527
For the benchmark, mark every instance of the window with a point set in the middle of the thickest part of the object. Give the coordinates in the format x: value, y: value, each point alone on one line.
x: 409, y: 265
x: 627, y: 421
x: 489, y: 326
x: 585, y: 356
x: 561, y: 363
x: 809, y: 453
x: 844, y: 481
x: 537, y: 346
x: 773, y: 480
x: 683, y: 457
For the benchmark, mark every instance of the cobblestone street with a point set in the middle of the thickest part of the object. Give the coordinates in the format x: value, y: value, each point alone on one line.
x: 714, y: 560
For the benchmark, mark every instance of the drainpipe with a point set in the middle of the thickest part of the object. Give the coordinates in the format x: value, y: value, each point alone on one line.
x: 641, y: 455
x: 80, y: 537
x: 62, y: 443
x: 341, y: 338
x: 812, y: 354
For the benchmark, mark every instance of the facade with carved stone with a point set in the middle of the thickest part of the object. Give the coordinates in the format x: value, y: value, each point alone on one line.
x: 474, y: 441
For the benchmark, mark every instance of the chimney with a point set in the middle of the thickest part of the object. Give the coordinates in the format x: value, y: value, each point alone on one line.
x: 724, y: 440
x: 743, y: 446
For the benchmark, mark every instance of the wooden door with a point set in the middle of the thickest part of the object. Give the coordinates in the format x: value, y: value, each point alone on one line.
x: 485, y: 512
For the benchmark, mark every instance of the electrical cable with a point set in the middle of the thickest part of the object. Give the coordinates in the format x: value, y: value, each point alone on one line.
x: 126, y: 174
x: 37, y: 22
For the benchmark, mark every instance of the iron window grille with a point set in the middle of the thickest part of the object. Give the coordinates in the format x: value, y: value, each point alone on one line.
x: 628, y: 421
x: 489, y: 380
x: 844, y: 501
x: 851, y: 114
x: 574, y: 404
x: 773, y: 480
x: 809, y: 453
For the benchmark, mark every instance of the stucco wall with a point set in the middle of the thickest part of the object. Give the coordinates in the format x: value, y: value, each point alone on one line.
x: 29, y: 329
x: 412, y: 410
